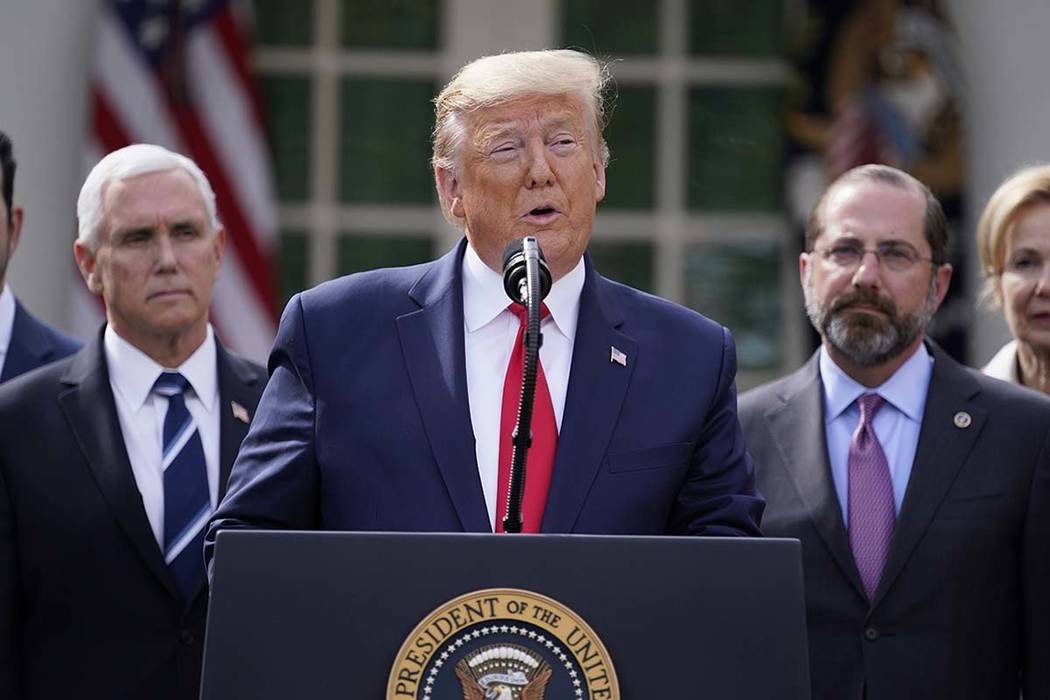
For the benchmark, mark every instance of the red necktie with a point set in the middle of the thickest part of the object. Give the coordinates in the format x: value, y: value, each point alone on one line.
x: 540, y: 462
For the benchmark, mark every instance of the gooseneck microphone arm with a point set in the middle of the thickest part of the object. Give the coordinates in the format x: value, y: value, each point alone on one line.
x: 527, y: 281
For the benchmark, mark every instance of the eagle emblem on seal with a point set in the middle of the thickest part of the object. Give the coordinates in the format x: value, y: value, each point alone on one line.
x: 503, y: 672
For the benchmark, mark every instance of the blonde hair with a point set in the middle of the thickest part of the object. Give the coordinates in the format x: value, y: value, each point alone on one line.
x: 1024, y: 188
x: 503, y: 78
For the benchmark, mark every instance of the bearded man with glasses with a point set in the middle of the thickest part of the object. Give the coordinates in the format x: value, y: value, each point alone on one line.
x: 919, y: 488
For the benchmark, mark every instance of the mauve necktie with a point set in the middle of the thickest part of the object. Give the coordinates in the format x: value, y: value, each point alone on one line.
x: 540, y: 461
x: 871, y: 511
x: 187, y: 503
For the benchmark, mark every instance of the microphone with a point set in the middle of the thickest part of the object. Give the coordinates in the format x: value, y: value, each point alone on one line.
x: 527, y: 280
x: 515, y: 267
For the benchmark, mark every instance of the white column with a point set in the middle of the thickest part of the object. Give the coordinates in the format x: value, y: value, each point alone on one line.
x: 43, y: 88
x: 476, y: 28
x: 1005, y: 52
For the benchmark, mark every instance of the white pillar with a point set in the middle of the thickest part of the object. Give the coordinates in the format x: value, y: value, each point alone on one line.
x: 476, y: 28
x: 1005, y: 52
x: 43, y: 88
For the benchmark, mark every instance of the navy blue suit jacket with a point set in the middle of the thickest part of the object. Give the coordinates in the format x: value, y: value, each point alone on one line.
x: 33, y: 344
x: 365, y: 423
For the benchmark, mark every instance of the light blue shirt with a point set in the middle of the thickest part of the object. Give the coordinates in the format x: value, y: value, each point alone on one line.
x: 896, y: 424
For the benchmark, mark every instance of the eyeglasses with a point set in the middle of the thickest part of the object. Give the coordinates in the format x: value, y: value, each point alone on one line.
x: 898, y: 257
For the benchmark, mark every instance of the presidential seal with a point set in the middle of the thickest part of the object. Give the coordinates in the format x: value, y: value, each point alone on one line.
x: 502, y: 644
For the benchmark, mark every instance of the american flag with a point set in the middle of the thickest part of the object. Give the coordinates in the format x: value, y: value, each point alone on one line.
x: 176, y: 73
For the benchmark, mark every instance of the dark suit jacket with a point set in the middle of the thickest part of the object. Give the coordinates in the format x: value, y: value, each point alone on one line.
x: 87, y: 606
x: 33, y: 344
x: 365, y: 423
x: 961, y: 611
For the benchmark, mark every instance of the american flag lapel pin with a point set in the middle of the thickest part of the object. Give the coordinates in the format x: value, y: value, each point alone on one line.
x: 240, y: 412
x: 618, y: 356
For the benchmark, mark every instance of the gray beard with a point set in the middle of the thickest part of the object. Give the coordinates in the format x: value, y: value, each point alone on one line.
x: 863, y: 339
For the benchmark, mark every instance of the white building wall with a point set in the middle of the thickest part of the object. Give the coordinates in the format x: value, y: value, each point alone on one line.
x: 1005, y: 49
x: 43, y: 74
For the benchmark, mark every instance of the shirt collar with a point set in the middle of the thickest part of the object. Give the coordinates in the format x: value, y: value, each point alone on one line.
x: 7, y: 318
x: 134, y: 373
x: 1002, y: 366
x: 905, y: 389
x: 484, y: 298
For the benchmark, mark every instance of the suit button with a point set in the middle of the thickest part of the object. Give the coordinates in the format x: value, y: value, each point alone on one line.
x: 871, y: 634
x: 187, y: 637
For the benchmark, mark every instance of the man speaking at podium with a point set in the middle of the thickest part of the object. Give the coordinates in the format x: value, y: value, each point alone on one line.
x: 387, y: 407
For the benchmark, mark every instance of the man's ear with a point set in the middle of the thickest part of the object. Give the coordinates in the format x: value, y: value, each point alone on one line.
x: 17, y: 218
x: 87, y: 263
x: 219, y: 248
x: 943, y: 276
x: 449, y: 191
x: 599, y: 181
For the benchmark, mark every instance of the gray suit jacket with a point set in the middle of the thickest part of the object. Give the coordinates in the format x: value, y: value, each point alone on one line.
x: 962, y: 608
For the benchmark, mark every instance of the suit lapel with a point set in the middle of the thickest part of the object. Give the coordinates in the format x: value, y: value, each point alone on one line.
x: 797, y: 427
x: 29, y: 345
x: 940, y: 454
x: 432, y: 344
x: 237, y: 390
x: 89, y: 407
x: 596, y: 391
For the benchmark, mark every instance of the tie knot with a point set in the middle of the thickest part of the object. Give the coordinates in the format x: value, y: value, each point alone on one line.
x: 169, y: 384
x: 519, y: 311
x: 869, y: 406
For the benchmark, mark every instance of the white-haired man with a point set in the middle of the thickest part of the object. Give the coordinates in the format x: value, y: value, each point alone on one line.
x: 112, y: 460
x: 387, y: 407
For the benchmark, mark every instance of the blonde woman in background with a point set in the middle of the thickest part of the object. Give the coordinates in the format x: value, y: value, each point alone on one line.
x: 1013, y: 238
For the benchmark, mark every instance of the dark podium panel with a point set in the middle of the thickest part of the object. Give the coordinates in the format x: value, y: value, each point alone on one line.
x: 323, y: 615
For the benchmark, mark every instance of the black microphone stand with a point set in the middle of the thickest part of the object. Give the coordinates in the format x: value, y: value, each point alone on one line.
x: 532, y: 339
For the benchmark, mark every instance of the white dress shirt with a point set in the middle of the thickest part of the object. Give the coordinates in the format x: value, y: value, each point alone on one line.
x: 489, y: 331
x: 896, y: 424
x: 7, y: 322
x: 132, y: 375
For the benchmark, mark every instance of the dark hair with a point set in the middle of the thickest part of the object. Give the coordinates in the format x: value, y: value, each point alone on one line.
x: 7, y: 169
x: 935, y: 226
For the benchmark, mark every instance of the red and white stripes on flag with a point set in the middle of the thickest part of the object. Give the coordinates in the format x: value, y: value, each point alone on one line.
x: 176, y: 73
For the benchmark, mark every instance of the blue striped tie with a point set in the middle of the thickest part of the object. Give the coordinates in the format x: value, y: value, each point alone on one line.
x: 187, y: 504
